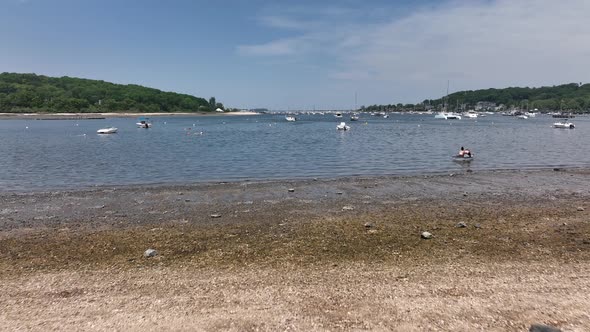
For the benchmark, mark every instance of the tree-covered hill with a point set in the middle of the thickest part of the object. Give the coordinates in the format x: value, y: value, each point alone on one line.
x: 37, y: 93
x: 572, y: 97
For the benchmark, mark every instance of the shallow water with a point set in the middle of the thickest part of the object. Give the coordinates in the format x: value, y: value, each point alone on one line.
x: 60, y: 154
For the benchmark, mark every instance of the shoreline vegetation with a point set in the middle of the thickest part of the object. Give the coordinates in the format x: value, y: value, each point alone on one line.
x: 508, y: 249
x: 82, y: 116
x: 31, y: 93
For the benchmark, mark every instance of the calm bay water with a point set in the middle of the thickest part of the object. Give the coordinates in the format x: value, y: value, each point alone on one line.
x: 61, y: 154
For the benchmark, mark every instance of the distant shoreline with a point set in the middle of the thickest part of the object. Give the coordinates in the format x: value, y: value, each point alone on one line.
x: 76, y: 116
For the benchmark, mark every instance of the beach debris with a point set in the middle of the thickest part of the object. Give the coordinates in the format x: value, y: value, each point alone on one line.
x: 579, y: 208
x: 150, y: 253
x: 291, y: 190
x: 461, y: 225
x: 180, y: 193
x: 215, y: 215
x: 543, y: 328
x: 187, y: 200
x: 99, y: 207
x: 477, y: 226
x: 369, y: 225
x: 339, y: 193
x: 347, y: 208
x: 464, y: 194
x: 426, y: 235
x: 8, y: 211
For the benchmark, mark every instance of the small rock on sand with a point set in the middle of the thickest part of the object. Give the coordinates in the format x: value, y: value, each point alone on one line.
x: 543, y: 328
x: 369, y: 225
x: 150, y: 253
x: 461, y: 225
x: 348, y: 208
x: 426, y: 235
x: 291, y: 190
x: 215, y: 215
x: 580, y: 208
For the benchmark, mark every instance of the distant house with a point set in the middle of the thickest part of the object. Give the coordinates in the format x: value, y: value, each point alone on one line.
x: 485, y: 106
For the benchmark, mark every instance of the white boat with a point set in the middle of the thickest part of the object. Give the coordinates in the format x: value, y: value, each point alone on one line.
x: 447, y: 116
x: 522, y: 116
x: 470, y: 115
x: 143, y: 123
x: 385, y: 116
x: 291, y: 118
x: 342, y: 126
x: 338, y: 115
x: 354, y: 118
x: 111, y: 130
x: 564, y: 125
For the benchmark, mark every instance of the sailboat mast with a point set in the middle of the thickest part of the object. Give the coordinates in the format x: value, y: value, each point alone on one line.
x: 447, y: 98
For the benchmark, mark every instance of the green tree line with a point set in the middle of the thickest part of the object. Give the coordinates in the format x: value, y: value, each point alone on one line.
x: 38, y: 93
x: 573, y: 97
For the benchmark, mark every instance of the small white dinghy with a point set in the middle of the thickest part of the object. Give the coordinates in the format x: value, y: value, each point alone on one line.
x: 342, y: 126
x: 111, y: 130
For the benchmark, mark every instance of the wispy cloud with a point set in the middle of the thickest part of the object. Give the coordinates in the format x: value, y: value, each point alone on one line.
x: 473, y: 43
x: 273, y: 48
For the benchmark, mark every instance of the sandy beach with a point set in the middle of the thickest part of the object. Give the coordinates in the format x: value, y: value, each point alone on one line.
x: 68, y: 116
x: 508, y: 249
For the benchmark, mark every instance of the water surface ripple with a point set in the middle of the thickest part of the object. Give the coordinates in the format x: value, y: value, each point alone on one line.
x: 61, y: 154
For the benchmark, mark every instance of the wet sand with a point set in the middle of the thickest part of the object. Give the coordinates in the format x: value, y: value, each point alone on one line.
x: 341, y: 254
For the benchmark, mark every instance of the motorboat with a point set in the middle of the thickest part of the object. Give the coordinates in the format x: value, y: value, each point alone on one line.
x: 470, y: 115
x: 564, y: 125
x: 447, y: 116
x: 143, y: 123
x: 342, y: 126
x: 111, y: 130
x: 522, y: 116
x: 291, y: 118
x: 338, y: 115
x: 354, y: 117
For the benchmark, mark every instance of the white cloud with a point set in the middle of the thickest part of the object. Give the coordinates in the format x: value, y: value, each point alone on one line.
x: 475, y: 44
x: 274, y: 48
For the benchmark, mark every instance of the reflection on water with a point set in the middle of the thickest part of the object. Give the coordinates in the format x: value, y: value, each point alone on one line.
x: 69, y: 154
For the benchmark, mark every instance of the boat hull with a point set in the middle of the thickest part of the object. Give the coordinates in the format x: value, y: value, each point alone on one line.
x: 107, y: 131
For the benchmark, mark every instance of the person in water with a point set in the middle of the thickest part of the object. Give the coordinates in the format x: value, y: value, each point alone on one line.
x: 464, y: 153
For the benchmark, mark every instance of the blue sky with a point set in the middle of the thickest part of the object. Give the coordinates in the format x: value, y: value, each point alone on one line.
x: 301, y: 54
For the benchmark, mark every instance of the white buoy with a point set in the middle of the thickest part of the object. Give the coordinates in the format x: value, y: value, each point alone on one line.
x: 27, y: 127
